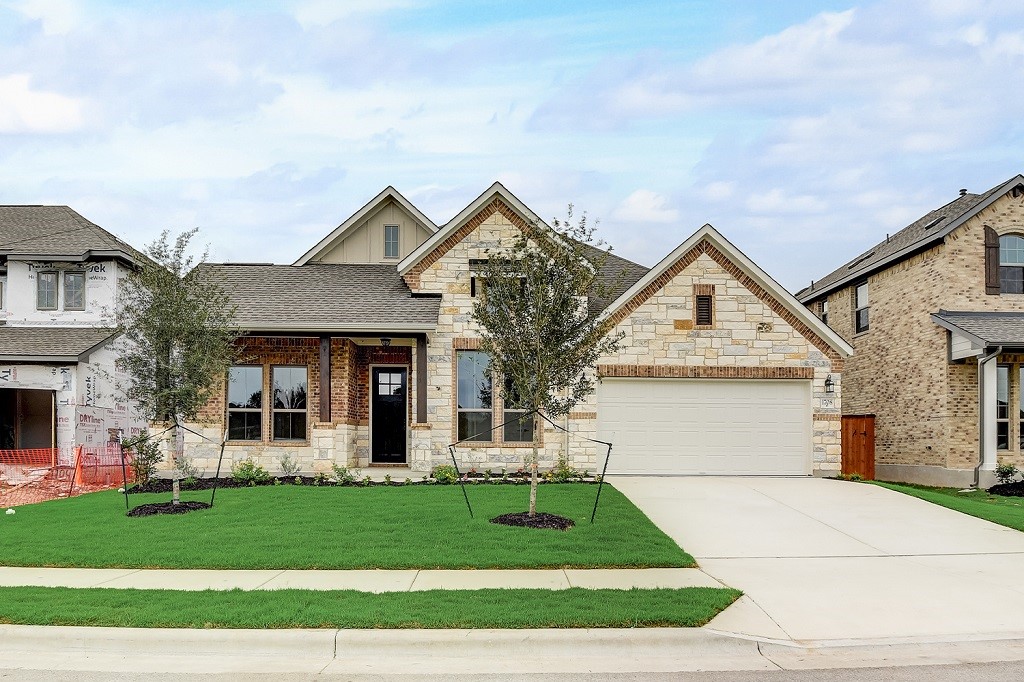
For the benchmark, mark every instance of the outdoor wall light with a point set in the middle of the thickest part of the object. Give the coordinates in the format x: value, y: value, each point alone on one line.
x: 385, y: 341
x: 830, y: 386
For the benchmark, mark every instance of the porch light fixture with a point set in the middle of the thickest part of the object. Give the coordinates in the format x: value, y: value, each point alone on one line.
x: 385, y: 341
x: 830, y: 386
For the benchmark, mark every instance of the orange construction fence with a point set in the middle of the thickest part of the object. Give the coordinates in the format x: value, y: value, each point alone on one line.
x: 40, y: 474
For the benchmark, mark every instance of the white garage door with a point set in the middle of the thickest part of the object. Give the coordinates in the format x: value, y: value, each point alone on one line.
x: 706, y: 426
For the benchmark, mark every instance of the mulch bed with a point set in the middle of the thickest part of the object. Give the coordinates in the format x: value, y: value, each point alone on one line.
x: 1015, y: 489
x: 167, y: 508
x: 539, y: 520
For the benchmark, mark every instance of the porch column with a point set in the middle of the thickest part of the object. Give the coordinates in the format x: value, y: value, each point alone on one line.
x: 325, y: 378
x: 421, y: 379
x: 987, y: 388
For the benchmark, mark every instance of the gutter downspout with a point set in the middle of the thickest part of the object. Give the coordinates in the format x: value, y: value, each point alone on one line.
x: 982, y: 361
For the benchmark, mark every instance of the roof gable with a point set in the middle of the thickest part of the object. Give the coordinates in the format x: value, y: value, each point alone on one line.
x: 929, y: 229
x: 57, y: 233
x: 354, y: 221
x: 707, y: 240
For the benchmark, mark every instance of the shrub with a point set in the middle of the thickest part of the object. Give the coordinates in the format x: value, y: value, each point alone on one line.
x: 344, y: 475
x: 187, y: 470
x: 562, y: 472
x: 248, y: 472
x: 1005, y: 473
x: 289, y: 467
x: 445, y: 473
x: 145, y: 456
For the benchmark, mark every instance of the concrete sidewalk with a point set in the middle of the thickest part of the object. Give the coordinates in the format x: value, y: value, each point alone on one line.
x: 363, y: 581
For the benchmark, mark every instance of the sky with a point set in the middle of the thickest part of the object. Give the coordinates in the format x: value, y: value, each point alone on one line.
x: 804, y: 131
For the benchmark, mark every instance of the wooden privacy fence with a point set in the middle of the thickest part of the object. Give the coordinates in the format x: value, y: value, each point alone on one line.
x: 859, y: 445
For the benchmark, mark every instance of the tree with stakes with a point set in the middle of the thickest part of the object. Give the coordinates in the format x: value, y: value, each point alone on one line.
x: 177, y: 334
x: 536, y: 325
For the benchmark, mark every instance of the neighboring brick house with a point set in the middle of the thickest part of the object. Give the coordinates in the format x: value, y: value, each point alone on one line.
x: 924, y: 309
x: 59, y: 275
x: 364, y: 353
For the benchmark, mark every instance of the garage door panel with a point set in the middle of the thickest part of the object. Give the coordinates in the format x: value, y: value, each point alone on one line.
x: 695, y: 426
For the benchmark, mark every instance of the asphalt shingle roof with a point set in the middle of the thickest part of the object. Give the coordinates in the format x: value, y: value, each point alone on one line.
x: 322, y: 296
x: 50, y: 343
x: 54, y: 231
x: 995, y: 329
x: 926, y: 229
x: 616, y: 275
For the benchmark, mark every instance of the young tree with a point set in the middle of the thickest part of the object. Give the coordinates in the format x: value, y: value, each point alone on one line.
x: 177, y: 334
x: 537, y: 327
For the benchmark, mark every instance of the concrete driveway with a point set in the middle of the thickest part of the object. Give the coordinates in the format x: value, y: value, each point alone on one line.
x: 833, y: 561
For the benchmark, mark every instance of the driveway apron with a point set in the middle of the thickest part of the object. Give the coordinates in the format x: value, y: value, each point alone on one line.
x: 831, y: 561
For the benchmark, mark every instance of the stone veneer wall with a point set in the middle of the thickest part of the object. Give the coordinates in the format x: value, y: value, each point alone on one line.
x: 926, y: 412
x: 753, y: 336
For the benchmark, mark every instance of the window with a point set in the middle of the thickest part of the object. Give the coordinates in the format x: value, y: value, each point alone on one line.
x: 289, y: 409
x: 391, y: 241
x: 1, y: 295
x: 517, y: 428
x: 475, y: 396
x: 245, y: 403
x: 861, y: 307
x: 46, y: 291
x: 74, y: 291
x: 824, y: 311
x: 1003, y: 407
x: 1011, y: 264
x: 704, y: 311
x: 1020, y: 400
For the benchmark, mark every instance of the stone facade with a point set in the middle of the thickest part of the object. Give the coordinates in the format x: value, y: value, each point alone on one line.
x: 925, y: 407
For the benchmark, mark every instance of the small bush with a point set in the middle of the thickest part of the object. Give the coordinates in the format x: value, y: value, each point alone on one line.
x: 145, y: 456
x: 344, y: 475
x: 187, y: 470
x: 562, y: 472
x: 289, y: 467
x: 445, y: 473
x: 1005, y: 473
x: 248, y: 472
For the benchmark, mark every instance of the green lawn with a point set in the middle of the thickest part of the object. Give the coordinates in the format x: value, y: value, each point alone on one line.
x: 338, y: 528
x: 1006, y: 511
x: 572, y: 608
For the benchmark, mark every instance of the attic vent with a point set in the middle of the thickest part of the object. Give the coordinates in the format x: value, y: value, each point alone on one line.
x: 860, y: 260
x: 934, y: 222
x: 1017, y: 191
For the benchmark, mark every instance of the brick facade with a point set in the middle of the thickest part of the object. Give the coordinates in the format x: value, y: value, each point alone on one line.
x: 926, y: 409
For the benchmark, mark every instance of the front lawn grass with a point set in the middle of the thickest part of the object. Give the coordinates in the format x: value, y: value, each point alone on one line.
x: 1006, y: 511
x: 572, y: 608
x: 282, y: 527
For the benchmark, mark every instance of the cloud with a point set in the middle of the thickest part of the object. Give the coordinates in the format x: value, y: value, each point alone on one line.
x: 645, y: 206
x: 24, y: 110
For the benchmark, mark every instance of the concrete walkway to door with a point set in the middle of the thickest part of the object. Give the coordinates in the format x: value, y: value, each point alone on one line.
x: 831, y: 561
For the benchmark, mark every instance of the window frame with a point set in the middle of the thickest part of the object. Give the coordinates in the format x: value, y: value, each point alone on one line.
x: 246, y: 410
x: 858, y: 326
x: 1003, y: 377
x: 459, y: 410
x: 274, y: 410
x: 56, y: 288
x: 500, y: 410
x: 65, y: 274
x: 1005, y: 267
x: 824, y: 311
x: 397, y: 241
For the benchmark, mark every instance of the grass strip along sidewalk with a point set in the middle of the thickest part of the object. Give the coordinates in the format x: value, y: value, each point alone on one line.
x: 305, y: 527
x: 1006, y: 511
x: 572, y: 608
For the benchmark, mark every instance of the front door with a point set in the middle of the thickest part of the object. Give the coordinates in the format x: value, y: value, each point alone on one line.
x: 389, y: 411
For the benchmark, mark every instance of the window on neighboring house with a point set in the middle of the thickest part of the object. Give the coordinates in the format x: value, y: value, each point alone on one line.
x: 475, y: 395
x: 861, y: 307
x: 1003, y: 407
x: 391, y: 241
x: 518, y: 428
x: 704, y: 311
x: 46, y: 291
x: 74, y: 291
x: 245, y: 403
x: 824, y: 310
x: 1011, y: 264
x: 289, y: 409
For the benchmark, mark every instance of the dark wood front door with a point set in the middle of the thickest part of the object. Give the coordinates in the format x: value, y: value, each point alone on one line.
x: 389, y: 410
x: 859, y: 445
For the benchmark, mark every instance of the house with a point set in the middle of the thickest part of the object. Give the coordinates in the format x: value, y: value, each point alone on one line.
x: 59, y: 275
x: 935, y: 313
x: 363, y: 353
